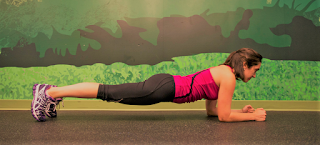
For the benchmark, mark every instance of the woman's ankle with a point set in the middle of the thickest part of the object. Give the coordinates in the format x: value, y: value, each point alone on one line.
x: 49, y: 92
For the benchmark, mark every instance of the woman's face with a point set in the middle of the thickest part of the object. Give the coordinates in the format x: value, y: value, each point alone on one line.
x: 250, y: 72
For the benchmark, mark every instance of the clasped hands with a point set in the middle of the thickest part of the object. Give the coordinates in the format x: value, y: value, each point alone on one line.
x: 259, y: 114
x: 247, y: 109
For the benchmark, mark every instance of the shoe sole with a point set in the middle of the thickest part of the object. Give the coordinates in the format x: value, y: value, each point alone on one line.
x: 35, y: 98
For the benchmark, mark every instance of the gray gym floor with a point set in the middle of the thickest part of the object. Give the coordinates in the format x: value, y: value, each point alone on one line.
x: 157, y: 127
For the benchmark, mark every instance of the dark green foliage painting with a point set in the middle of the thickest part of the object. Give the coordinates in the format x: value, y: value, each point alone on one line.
x: 64, y: 42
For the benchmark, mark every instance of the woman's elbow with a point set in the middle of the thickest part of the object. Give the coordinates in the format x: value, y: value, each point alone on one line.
x: 210, y: 113
x: 223, y: 118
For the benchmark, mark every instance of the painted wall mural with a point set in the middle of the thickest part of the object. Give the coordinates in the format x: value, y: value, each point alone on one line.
x: 118, y: 41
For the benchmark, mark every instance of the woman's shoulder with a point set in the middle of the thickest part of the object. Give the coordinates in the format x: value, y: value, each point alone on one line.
x: 222, y: 69
x: 222, y: 72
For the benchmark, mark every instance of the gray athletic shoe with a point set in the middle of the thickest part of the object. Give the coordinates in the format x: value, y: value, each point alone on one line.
x: 39, y: 101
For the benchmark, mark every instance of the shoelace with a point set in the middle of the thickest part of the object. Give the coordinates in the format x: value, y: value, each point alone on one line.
x: 62, y: 104
x: 48, y: 106
x: 59, y: 105
x: 54, y: 104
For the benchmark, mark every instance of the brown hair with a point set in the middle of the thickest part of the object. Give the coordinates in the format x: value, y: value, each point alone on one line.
x: 235, y: 60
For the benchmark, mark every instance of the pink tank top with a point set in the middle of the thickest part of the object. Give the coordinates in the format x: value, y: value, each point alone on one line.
x: 203, y: 87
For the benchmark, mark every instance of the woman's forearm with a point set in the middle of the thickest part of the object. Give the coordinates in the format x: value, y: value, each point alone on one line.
x: 213, y: 112
x: 238, y: 111
x: 235, y: 116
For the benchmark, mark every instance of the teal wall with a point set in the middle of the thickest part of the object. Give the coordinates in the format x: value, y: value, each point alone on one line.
x: 119, y: 41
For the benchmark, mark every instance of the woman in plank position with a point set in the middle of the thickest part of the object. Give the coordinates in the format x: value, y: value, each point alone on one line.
x: 215, y: 84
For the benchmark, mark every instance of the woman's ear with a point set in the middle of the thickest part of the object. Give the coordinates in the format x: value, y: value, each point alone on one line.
x: 245, y: 65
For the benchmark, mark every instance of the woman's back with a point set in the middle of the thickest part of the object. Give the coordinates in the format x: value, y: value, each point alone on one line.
x: 199, y: 85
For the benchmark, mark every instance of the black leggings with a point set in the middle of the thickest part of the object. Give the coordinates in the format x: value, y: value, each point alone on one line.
x: 158, y: 88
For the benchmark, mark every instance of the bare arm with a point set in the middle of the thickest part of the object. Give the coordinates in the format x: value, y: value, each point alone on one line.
x: 212, y: 108
x: 224, y: 112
